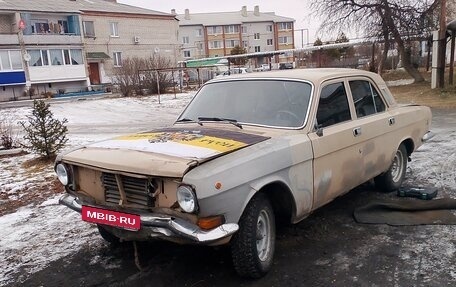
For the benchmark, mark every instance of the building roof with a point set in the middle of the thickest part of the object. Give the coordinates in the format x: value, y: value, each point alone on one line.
x: 229, y: 18
x: 74, y: 6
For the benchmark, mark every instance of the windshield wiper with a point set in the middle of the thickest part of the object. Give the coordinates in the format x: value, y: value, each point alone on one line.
x: 189, y: 120
x: 215, y: 119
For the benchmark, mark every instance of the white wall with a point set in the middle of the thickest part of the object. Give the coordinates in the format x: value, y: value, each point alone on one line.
x: 46, y: 74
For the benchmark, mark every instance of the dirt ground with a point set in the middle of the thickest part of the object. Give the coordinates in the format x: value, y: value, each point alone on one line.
x: 327, y: 249
x: 421, y: 93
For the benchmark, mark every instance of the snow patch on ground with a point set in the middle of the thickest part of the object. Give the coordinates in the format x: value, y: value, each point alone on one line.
x: 401, y: 82
x: 34, y: 236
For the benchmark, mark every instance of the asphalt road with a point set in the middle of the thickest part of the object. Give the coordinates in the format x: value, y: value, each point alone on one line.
x: 327, y: 249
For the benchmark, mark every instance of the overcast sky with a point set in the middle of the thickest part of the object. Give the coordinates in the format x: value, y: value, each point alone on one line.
x: 296, y: 9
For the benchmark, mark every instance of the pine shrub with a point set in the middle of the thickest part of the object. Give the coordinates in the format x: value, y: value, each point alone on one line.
x: 44, y: 134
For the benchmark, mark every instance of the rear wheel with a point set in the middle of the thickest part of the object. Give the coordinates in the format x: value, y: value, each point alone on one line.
x: 253, y: 246
x: 109, y: 237
x: 392, y: 179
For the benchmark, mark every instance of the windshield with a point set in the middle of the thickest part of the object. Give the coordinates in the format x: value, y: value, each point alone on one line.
x: 277, y: 103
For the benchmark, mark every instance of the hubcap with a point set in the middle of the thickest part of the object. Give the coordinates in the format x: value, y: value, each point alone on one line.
x: 397, y: 167
x: 263, y: 235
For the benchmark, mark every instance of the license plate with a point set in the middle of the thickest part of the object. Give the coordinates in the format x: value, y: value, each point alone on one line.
x: 109, y: 217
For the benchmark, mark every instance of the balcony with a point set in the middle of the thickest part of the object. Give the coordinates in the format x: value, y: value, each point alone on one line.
x: 9, y: 39
x: 52, y: 39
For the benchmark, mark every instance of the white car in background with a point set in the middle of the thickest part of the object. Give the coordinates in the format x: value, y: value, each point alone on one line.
x: 234, y: 71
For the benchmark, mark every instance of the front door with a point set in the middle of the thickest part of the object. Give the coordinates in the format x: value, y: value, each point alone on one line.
x: 94, y: 74
x: 337, y: 160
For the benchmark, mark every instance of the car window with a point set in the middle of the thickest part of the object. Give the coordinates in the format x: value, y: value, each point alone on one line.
x: 333, y: 105
x: 366, y: 98
x: 277, y: 103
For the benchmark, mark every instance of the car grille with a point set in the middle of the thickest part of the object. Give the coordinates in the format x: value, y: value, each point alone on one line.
x: 136, y: 190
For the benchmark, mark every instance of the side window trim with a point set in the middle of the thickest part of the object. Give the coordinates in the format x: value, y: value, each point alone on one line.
x: 373, y: 88
x: 316, y: 125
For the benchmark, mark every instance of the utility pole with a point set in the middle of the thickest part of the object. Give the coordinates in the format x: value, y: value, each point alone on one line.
x: 25, y: 62
x: 442, y: 45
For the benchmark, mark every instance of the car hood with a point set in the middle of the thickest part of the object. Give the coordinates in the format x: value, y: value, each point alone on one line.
x: 165, y: 152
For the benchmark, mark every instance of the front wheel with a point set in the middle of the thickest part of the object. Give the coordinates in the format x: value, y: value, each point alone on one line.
x: 252, y: 247
x: 392, y: 179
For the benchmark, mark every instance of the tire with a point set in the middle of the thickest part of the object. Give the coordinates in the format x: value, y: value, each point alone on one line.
x: 392, y: 179
x: 109, y: 237
x: 252, y: 247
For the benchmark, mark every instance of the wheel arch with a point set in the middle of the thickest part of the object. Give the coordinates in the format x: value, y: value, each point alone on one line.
x: 282, y: 201
x: 409, y: 145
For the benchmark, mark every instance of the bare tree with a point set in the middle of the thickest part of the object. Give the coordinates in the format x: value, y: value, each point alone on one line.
x: 398, y: 20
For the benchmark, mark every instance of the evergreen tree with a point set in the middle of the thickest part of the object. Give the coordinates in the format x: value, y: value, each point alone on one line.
x: 44, y: 134
x: 238, y: 50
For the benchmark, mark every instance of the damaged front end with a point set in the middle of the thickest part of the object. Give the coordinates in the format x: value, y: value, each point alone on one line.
x: 139, y: 207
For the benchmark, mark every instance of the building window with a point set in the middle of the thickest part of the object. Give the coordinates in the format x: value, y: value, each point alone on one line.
x: 66, y: 57
x: 285, y: 40
x: 56, y: 57
x: 285, y: 26
x: 256, y: 36
x: 62, y: 28
x: 185, y: 40
x: 231, y: 29
x: 215, y: 45
x: 257, y: 49
x: 10, y: 60
x: 35, y: 58
x: 45, y: 57
x: 187, y: 54
x: 114, y: 27
x: 76, y: 57
x: 117, y: 56
x: 40, y: 27
x: 269, y: 42
x: 269, y: 28
x: 245, y: 44
x: 231, y: 43
x: 16, y: 60
x: 5, y: 63
x: 244, y: 29
x: 199, y: 32
x: 214, y: 30
x: 39, y: 58
x: 89, y: 29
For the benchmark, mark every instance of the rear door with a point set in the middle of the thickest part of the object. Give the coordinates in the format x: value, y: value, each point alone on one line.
x: 378, y: 142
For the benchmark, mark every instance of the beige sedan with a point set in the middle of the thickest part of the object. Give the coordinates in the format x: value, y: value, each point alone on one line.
x: 248, y: 150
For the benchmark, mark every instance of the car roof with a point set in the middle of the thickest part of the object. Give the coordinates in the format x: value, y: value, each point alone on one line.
x: 314, y: 75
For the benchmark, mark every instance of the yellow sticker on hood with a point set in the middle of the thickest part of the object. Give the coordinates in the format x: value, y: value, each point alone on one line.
x: 194, y: 139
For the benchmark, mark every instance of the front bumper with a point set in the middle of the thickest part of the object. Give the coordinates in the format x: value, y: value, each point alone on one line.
x: 165, y: 226
x: 427, y: 136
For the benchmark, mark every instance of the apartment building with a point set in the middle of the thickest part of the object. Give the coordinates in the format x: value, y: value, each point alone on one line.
x: 204, y: 35
x: 70, y: 46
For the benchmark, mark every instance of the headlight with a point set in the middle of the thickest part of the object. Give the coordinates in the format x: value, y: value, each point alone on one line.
x: 186, y: 198
x: 62, y: 173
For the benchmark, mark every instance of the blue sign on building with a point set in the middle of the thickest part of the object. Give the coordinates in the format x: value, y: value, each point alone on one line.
x: 12, y: 78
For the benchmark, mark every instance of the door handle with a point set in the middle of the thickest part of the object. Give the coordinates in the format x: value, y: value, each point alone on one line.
x: 357, y: 131
x: 391, y: 121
